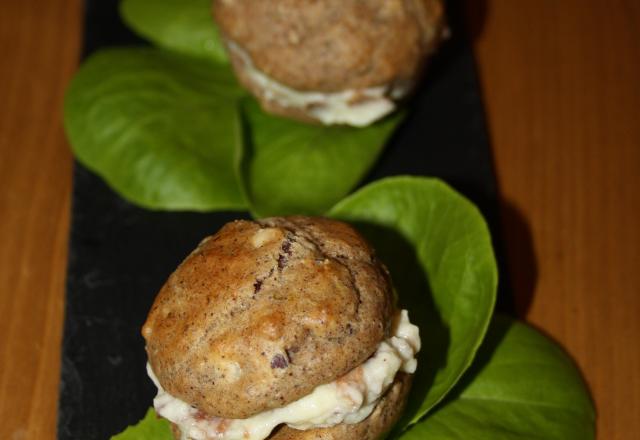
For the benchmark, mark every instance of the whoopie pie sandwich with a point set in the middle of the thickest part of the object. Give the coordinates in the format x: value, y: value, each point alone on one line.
x: 282, y: 328
x: 330, y: 61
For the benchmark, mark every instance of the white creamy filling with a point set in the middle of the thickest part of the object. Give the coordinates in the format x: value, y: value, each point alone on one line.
x: 353, y: 107
x: 349, y: 399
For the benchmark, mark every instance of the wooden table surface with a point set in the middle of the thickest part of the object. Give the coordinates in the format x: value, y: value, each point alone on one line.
x: 560, y: 80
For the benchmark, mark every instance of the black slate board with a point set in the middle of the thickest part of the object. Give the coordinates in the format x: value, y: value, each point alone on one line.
x: 121, y: 254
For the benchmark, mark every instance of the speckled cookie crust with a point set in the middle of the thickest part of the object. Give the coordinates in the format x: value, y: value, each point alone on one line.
x: 333, y: 45
x: 263, y: 312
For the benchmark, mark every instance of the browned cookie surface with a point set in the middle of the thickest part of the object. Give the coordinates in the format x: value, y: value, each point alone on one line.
x: 263, y: 312
x: 333, y: 45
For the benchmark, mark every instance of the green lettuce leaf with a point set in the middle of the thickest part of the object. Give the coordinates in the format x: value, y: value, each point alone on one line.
x: 165, y: 131
x: 438, y: 249
x: 296, y: 168
x: 185, y: 26
x: 161, y: 128
x: 522, y: 386
x: 150, y: 428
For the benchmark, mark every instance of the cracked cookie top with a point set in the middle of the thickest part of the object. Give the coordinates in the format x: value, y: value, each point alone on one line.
x: 263, y: 312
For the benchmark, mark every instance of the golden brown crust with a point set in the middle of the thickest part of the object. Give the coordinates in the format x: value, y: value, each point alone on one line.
x: 175, y: 430
x: 263, y: 312
x: 334, y: 45
x: 374, y: 427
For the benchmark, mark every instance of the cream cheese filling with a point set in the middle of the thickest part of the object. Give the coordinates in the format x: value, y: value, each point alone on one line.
x: 352, y: 107
x: 349, y: 399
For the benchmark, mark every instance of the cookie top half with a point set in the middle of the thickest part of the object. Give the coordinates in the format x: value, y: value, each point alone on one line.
x: 333, y: 45
x: 263, y: 312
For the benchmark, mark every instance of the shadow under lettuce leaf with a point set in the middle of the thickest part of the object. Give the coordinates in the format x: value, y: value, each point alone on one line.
x: 438, y: 249
x: 521, y: 385
x: 414, y: 294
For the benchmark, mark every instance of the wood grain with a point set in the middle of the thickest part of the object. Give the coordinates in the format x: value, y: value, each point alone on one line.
x: 560, y: 81
x: 39, y: 47
x: 560, y: 85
